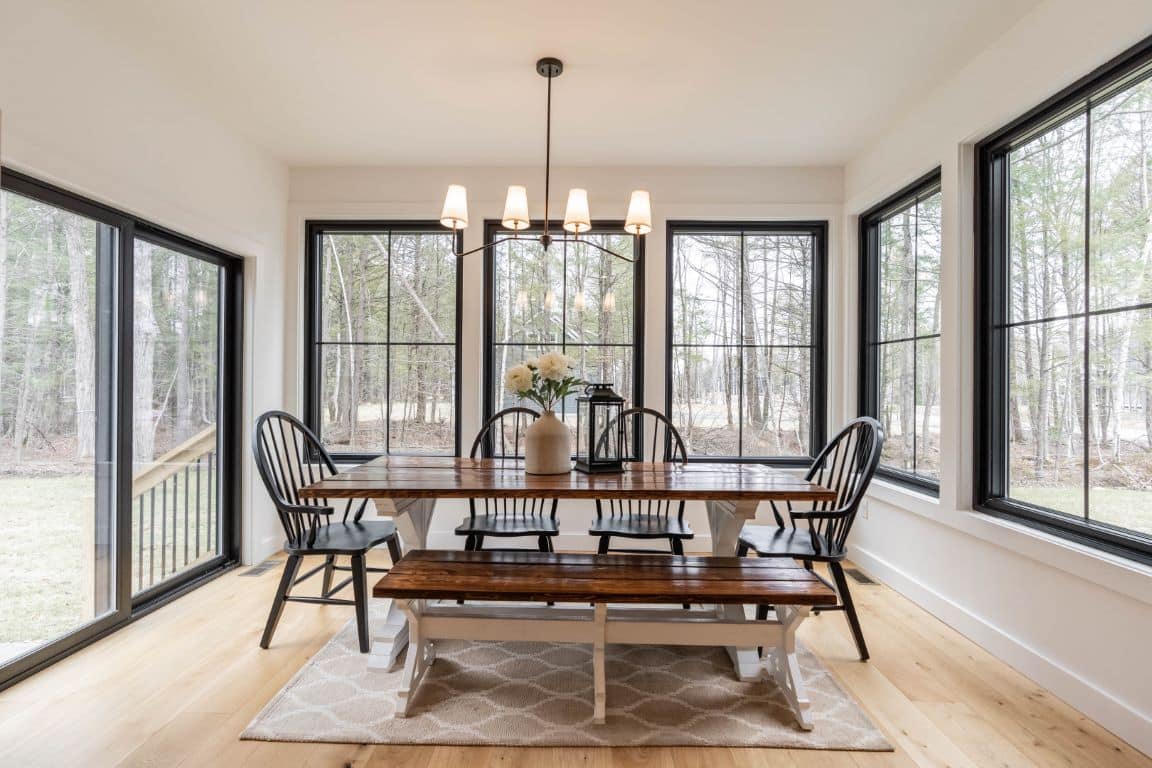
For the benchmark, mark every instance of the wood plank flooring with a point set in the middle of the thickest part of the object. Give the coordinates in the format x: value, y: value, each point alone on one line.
x: 178, y: 686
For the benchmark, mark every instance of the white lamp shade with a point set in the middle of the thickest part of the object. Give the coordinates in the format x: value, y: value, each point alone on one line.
x: 576, y: 218
x: 455, y: 213
x: 608, y: 304
x: 639, y: 221
x: 516, y: 208
x: 579, y: 301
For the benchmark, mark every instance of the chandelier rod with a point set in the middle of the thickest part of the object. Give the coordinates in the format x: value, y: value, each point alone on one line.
x: 548, y: 158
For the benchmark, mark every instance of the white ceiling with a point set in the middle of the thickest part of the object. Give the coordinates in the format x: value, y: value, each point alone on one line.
x: 646, y: 82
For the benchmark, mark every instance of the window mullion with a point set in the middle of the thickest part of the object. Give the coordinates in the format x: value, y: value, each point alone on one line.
x: 1086, y: 416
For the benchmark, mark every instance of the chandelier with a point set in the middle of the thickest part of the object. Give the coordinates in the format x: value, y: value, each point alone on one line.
x: 576, y: 217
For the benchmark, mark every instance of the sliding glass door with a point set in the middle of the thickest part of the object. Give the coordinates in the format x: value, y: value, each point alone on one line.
x: 176, y: 381
x: 56, y: 560
x: 119, y: 418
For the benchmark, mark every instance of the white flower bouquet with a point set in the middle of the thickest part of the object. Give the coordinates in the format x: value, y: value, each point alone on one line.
x: 545, y: 380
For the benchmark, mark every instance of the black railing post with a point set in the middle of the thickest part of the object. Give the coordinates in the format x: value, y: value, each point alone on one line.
x: 151, y: 537
x: 163, y: 529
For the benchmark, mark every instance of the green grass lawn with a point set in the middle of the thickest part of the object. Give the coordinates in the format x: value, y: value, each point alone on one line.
x: 1115, y: 506
x: 42, y: 556
x: 46, y: 549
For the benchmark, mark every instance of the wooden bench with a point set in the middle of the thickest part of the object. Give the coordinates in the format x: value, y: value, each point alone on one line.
x: 426, y: 585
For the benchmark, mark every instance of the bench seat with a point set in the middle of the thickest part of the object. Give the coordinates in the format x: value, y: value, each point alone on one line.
x: 426, y: 585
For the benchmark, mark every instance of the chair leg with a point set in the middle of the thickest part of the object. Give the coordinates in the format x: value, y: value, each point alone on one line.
x: 289, y: 576
x: 741, y: 549
x: 329, y: 570
x: 762, y: 615
x: 478, y: 543
x: 678, y: 549
x: 394, y: 551
x: 360, y: 591
x: 849, y: 608
x: 542, y: 543
x: 604, y: 542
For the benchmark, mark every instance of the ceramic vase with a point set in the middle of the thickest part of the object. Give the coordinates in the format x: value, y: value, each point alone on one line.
x: 547, y: 446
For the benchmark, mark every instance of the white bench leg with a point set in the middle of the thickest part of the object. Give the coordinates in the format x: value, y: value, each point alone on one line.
x: 421, y: 655
x: 785, y: 667
x: 600, y: 692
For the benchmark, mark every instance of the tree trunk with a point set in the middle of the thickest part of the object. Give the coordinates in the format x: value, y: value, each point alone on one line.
x: 84, y: 352
x: 754, y: 417
x: 180, y: 314
x: 32, y: 349
x: 143, y: 354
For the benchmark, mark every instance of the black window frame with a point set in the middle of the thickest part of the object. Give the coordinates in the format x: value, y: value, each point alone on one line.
x: 494, y: 230
x: 992, y: 283
x: 114, y: 347
x: 313, y: 319
x: 869, y: 323
x: 818, y: 416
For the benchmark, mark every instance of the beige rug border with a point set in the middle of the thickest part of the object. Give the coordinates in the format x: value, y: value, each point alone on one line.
x: 282, y: 692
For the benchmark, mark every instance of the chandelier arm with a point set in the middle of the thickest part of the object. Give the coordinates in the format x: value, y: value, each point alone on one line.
x: 486, y: 246
x: 600, y: 248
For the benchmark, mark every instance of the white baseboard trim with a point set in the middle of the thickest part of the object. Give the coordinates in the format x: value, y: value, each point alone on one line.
x: 1114, y: 714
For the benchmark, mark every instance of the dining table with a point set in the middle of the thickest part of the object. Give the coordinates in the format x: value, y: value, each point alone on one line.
x: 406, y: 488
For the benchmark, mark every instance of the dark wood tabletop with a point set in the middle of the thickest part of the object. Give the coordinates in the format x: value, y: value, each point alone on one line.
x: 414, y: 477
x: 617, y: 578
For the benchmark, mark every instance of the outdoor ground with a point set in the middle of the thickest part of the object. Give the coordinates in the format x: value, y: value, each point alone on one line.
x: 42, y: 560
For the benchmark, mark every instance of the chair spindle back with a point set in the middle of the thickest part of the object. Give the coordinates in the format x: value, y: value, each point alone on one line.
x: 846, y: 465
x: 502, y: 438
x: 649, y: 436
x: 289, y: 456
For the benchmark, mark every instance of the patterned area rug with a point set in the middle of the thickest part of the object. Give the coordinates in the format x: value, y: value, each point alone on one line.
x: 540, y: 694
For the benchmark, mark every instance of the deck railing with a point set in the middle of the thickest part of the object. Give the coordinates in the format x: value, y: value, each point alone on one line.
x: 174, y: 511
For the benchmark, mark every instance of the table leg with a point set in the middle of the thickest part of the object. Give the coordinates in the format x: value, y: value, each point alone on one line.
x: 726, y: 519
x: 388, y: 624
x: 785, y: 667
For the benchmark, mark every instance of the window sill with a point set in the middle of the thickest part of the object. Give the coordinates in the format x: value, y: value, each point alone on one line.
x: 1113, y: 572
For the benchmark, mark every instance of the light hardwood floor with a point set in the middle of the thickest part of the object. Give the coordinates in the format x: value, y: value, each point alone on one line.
x: 177, y: 687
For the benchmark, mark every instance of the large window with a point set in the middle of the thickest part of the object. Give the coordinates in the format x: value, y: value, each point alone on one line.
x: 900, y: 330
x: 570, y: 297
x: 383, y: 361
x: 746, y: 338
x: 119, y: 418
x: 1065, y: 343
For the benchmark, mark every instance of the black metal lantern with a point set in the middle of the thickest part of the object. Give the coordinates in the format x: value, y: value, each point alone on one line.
x: 599, y: 430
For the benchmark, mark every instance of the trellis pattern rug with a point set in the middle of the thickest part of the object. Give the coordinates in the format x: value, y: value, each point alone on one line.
x: 540, y: 694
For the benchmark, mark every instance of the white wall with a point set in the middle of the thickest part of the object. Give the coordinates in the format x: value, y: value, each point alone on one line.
x: 753, y: 194
x: 82, y: 114
x: 1075, y: 621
